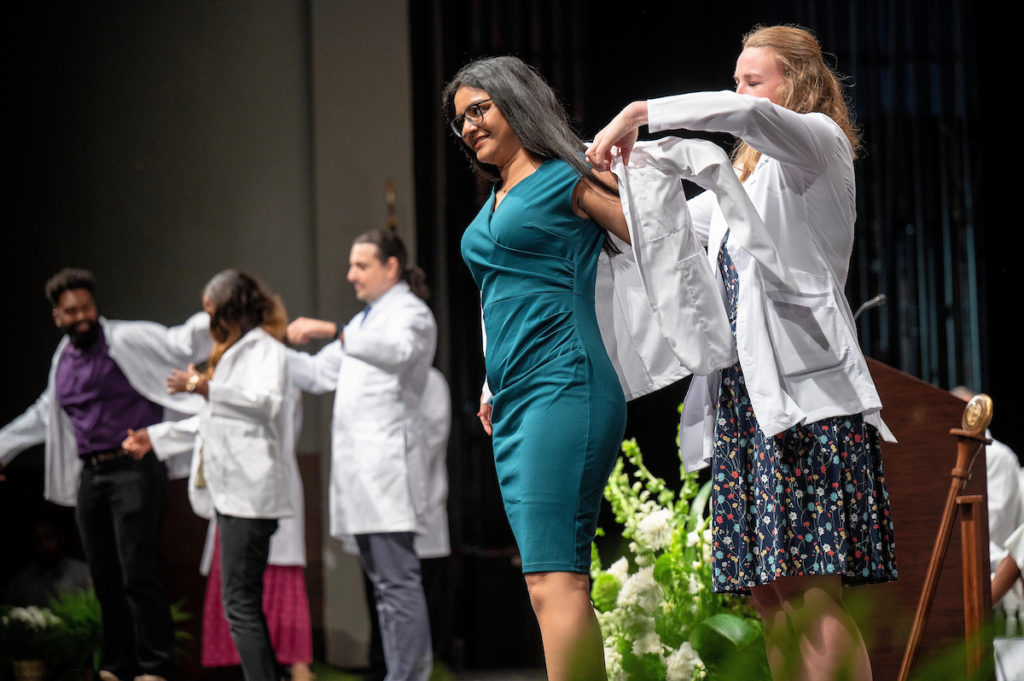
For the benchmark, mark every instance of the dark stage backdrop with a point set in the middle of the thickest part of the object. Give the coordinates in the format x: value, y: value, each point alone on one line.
x: 922, y: 235
x: 159, y: 142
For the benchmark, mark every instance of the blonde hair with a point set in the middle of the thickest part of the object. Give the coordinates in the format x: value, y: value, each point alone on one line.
x: 809, y: 85
x: 240, y: 304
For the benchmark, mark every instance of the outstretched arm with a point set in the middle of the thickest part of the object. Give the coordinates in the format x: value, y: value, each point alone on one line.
x: 26, y: 431
x: 166, y: 439
x: 621, y: 132
x: 304, y: 329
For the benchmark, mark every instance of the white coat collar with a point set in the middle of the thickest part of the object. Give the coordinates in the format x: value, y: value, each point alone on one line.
x: 392, y: 294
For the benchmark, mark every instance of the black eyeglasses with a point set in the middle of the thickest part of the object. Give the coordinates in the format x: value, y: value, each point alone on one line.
x: 474, y: 113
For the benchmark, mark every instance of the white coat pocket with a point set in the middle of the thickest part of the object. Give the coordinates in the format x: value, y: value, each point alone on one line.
x: 806, y: 329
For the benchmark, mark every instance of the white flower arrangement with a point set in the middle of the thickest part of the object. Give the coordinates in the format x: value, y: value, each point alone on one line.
x: 33, y: 617
x: 28, y: 633
x: 656, y: 608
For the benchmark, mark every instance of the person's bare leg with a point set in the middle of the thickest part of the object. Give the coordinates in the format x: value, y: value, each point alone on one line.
x: 779, y: 644
x: 829, y: 643
x: 573, y: 647
x: 301, y: 671
x: 1007, y: 574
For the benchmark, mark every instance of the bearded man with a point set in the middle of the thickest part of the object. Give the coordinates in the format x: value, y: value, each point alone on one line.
x: 108, y: 377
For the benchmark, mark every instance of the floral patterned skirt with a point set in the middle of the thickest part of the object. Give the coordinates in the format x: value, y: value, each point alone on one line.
x: 809, y: 501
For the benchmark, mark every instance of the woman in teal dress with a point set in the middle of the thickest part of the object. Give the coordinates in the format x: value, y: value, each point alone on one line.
x: 558, y: 410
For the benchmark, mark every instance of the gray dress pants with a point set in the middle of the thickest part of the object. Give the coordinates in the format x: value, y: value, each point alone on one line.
x: 390, y: 561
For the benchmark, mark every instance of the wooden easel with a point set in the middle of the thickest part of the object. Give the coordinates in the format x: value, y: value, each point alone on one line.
x: 973, y: 519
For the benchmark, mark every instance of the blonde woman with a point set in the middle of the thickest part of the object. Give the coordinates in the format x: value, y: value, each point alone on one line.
x: 792, y: 429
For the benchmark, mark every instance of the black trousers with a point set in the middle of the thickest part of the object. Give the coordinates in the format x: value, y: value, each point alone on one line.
x: 244, y: 550
x: 120, y: 511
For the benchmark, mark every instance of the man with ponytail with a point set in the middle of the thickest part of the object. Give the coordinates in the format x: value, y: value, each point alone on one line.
x: 378, y: 366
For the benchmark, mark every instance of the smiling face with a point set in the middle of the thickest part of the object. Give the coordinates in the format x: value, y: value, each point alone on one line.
x: 758, y: 73
x: 370, y: 277
x: 492, y: 139
x: 77, y: 316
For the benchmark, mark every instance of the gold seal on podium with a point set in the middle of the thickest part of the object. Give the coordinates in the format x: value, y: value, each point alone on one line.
x: 977, y: 414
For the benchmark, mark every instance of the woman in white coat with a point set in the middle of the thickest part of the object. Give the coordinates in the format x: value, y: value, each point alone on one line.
x: 799, y: 504
x: 285, y: 600
x: 238, y: 472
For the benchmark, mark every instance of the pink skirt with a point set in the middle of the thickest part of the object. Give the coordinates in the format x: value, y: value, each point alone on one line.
x: 285, y: 605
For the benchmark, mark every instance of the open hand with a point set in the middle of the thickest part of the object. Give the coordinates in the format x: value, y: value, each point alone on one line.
x: 485, y: 415
x: 177, y: 382
x: 621, y: 132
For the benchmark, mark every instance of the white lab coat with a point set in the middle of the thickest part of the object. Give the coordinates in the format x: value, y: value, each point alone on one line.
x: 795, y: 335
x: 1005, y: 502
x: 658, y: 305
x: 288, y: 543
x: 432, y: 540
x: 432, y: 536
x: 238, y: 435
x: 379, y: 377
x: 146, y: 352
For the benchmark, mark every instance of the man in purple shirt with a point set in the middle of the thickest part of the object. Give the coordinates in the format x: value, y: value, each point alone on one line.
x: 107, y: 377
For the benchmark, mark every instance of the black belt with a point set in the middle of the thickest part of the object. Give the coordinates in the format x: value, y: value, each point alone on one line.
x: 107, y: 456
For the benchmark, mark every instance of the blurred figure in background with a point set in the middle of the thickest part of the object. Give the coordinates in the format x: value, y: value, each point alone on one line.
x: 378, y: 367
x: 238, y: 470
x: 106, y: 378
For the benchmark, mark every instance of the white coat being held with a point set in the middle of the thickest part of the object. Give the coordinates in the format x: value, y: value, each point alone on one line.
x: 795, y: 340
x: 238, y: 437
x: 379, y: 376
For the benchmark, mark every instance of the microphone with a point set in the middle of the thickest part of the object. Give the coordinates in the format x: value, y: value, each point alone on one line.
x: 877, y: 301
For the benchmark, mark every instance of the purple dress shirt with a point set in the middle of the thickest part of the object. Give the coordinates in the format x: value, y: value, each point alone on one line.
x: 98, y: 399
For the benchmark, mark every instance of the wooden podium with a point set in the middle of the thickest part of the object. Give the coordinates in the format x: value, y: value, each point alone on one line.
x: 918, y: 475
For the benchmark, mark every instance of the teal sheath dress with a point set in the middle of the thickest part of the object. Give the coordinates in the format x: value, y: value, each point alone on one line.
x: 558, y: 411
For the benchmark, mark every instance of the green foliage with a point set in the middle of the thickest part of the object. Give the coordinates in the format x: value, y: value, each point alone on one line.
x: 732, y: 646
x: 659, y: 617
x: 81, y: 634
x: 605, y: 592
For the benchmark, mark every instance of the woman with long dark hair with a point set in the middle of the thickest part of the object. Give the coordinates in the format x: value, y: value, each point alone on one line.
x: 792, y: 428
x: 238, y: 471
x: 558, y: 410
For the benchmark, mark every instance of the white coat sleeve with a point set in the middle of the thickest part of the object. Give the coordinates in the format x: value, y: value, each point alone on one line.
x: 192, y: 339
x: 27, y: 430
x: 802, y: 140
x: 260, y: 396
x: 1004, y: 493
x: 486, y: 396
x: 171, y: 438
x: 705, y: 164
x: 409, y: 336
x: 317, y: 374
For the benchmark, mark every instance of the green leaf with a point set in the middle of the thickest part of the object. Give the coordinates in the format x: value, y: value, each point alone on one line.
x: 649, y: 667
x: 605, y: 592
x: 731, y: 647
x: 700, y: 502
x: 664, y: 569
x: 725, y: 630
